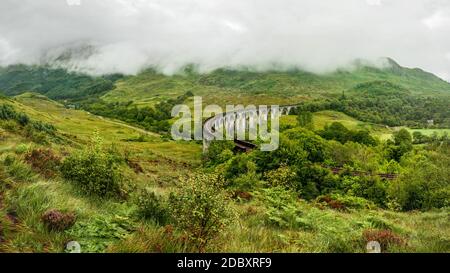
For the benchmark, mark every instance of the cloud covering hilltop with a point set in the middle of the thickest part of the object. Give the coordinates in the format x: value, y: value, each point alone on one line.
x: 104, y: 36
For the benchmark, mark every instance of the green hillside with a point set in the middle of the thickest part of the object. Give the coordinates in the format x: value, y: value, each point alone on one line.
x: 51, y: 82
x: 75, y: 129
x: 220, y: 86
x: 233, y: 86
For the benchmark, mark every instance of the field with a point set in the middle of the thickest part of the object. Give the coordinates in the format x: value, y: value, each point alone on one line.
x: 323, y: 118
x: 429, y: 132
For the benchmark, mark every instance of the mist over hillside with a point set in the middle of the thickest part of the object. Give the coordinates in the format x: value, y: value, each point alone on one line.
x: 114, y: 36
x: 60, y: 78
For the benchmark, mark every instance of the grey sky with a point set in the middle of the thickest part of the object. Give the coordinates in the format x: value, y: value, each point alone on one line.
x: 317, y: 35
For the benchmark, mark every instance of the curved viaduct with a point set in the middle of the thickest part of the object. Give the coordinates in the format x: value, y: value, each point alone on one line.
x: 239, y: 119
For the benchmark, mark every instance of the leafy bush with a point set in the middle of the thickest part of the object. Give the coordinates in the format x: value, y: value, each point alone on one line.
x: 56, y: 220
x: 368, y: 187
x: 305, y: 119
x: 152, y: 206
x: 424, y: 185
x: 201, y: 208
x: 401, y: 145
x: 313, y: 145
x: 314, y: 180
x: 247, y: 180
x: 283, y: 176
x: 218, y: 152
x: 95, y: 171
x: 240, y: 164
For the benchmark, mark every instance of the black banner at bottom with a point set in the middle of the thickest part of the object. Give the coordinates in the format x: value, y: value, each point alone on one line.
x: 222, y: 262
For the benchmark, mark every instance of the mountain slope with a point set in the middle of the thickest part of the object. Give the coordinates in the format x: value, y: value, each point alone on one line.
x: 54, y: 83
x: 220, y: 86
x: 242, y: 86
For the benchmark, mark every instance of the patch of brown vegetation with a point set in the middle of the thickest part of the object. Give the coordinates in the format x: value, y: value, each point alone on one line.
x: 385, y: 237
x: 334, y: 204
x: 135, y: 166
x: 242, y: 195
x: 44, y: 161
x: 56, y: 220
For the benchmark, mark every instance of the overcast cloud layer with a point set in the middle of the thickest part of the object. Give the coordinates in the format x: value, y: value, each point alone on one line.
x: 317, y: 35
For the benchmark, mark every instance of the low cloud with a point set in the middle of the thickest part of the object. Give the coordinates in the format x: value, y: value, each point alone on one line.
x: 104, y: 36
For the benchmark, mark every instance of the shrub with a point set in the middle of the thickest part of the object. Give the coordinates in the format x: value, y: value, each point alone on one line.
x: 283, y: 176
x: 43, y: 161
x: 152, y: 206
x: 95, y: 171
x: 240, y: 164
x: 305, y: 119
x: 56, y: 220
x: 201, y: 208
x: 368, y: 187
x: 313, y: 145
x: 219, y: 152
x: 425, y: 184
x: 247, y: 180
x: 386, y: 238
x: 314, y: 180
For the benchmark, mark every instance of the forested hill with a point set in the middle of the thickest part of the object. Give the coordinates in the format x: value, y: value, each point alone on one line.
x: 57, y: 83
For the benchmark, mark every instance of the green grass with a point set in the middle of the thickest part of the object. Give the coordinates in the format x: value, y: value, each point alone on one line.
x: 323, y: 118
x: 387, y: 134
x: 429, y: 132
